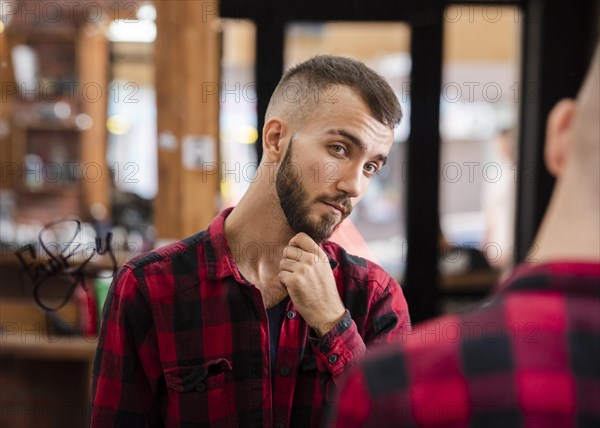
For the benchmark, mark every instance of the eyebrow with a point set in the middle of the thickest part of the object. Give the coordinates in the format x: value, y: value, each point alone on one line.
x: 356, y: 142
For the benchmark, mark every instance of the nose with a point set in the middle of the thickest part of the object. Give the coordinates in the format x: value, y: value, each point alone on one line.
x: 350, y: 181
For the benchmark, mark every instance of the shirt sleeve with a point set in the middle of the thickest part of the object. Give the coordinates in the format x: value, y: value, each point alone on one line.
x: 353, y: 402
x: 126, y: 365
x: 387, y: 319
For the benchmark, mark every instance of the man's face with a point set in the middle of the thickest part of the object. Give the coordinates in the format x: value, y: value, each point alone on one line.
x: 296, y: 202
x: 337, y: 150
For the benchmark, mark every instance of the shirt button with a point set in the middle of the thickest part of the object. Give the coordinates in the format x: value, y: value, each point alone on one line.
x: 291, y: 315
x: 201, y: 387
x: 325, y: 347
x: 279, y: 425
x: 284, y: 371
x: 332, y: 358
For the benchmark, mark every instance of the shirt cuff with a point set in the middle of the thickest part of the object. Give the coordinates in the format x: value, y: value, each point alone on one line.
x: 339, y: 347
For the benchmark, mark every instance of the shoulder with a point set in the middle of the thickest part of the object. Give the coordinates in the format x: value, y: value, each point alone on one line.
x: 154, y: 272
x: 165, y: 254
x: 456, y: 365
x: 445, y: 352
x: 357, y: 268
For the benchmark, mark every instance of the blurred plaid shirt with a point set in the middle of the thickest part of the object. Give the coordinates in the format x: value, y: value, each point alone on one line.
x: 528, y: 358
x: 185, y: 341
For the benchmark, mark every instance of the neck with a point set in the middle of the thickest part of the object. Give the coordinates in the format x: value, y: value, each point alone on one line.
x: 570, y: 230
x: 257, y: 229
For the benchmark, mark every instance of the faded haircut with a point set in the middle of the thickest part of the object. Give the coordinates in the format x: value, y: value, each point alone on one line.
x: 304, y: 85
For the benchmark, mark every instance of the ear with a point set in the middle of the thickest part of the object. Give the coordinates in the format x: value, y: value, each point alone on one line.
x: 559, y: 136
x: 273, y: 139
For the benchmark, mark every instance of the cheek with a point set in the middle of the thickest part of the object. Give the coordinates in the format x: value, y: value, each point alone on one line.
x: 325, y: 172
x: 318, y: 173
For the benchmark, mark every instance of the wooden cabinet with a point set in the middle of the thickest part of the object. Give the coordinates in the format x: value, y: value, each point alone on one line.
x: 58, y: 101
x: 45, y: 377
x: 53, y: 144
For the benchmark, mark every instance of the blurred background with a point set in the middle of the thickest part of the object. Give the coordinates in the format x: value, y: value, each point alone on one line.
x: 143, y: 118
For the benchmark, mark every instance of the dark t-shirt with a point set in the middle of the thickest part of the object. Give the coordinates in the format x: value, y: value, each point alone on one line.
x: 275, y: 315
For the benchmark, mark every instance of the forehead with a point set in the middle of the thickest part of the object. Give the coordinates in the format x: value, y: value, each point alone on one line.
x: 340, y: 107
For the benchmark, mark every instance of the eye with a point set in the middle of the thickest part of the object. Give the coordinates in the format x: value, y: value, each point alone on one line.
x: 338, y: 149
x: 371, y: 169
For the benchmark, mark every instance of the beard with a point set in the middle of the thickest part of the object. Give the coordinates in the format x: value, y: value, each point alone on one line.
x: 296, y: 204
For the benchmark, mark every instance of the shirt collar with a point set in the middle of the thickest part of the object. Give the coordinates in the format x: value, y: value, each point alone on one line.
x: 330, y: 255
x: 219, y: 258
x: 569, y: 277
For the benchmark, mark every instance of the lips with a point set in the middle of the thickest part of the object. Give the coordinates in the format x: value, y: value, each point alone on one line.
x: 341, y: 208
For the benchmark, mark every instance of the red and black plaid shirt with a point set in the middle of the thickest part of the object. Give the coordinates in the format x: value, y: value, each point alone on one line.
x: 529, y: 358
x: 185, y: 341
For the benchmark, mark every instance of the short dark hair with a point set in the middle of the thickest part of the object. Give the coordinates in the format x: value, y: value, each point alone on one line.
x: 322, y: 71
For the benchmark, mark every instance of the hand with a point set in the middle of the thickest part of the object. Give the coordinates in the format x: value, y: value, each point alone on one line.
x: 306, y: 274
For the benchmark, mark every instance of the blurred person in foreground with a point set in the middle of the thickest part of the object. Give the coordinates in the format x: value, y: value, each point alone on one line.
x: 530, y: 356
x: 252, y: 321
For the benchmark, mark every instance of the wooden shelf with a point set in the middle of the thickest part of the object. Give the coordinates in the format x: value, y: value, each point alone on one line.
x: 98, y: 263
x: 40, y: 115
x: 45, y: 125
x: 481, y: 282
x: 35, y: 346
x: 60, y: 33
x: 48, y: 190
x: 25, y: 333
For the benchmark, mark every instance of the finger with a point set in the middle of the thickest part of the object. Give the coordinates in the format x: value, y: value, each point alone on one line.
x: 292, y: 253
x: 303, y: 241
x: 310, y: 247
x: 285, y: 278
x: 287, y: 265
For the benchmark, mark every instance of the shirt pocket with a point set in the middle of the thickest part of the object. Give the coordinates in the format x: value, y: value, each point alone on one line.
x: 309, y: 363
x: 204, y: 392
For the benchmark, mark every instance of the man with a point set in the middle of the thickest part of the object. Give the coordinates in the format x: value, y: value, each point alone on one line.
x: 530, y: 356
x: 251, y: 322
